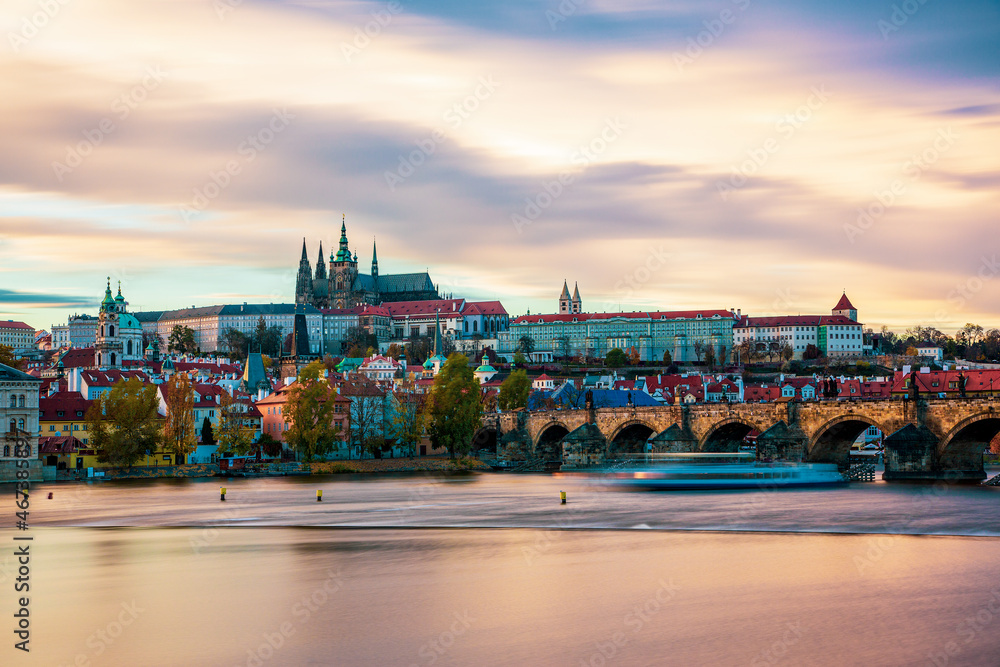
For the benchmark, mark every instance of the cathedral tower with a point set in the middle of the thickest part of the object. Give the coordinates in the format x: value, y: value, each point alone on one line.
x: 564, y: 300
x: 303, y: 282
x: 577, y: 305
x: 343, y: 272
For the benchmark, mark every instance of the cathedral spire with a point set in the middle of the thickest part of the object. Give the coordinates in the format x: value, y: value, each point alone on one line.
x: 304, y: 254
x: 343, y: 252
x: 320, y: 264
x: 374, y: 260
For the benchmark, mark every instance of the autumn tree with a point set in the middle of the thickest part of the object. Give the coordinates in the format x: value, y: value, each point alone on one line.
x: 368, y: 415
x: 454, y: 409
x: 395, y: 349
x: 124, y: 423
x: 235, y: 343
x: 667, y: 359
x: 309, y: 413
x: 633, y: 356
x: 234, y: 436
x: 786, y: 352
x: 514, y: 391
x: 710, y: 356
x: 699, y: 348
x: 408, y: 421
x: 179, y: 434
x: 811, y: 352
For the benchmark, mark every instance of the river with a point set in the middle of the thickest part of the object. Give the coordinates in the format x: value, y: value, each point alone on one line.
x: 489, y: 569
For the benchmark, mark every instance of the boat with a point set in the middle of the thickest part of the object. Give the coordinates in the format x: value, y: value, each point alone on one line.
x: 698, y: 471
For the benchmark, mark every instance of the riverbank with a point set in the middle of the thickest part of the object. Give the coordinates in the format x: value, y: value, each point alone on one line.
x: 421, y: 464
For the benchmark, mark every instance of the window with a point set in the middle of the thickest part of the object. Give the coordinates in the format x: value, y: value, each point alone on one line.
x: 52, y: 427
x: 20, y: 401
x: 13, y: 401
x: 20, y: 424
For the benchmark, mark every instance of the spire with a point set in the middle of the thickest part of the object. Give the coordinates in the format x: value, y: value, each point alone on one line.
x: 576, y: 291
x: 437, y: 333
x: 565, y: 292
x: 343, y: 252
x: 320, y: 264
x: 304, y: 255
x: 109, y: 303
x: 564, y: 301
x: 374, y: 259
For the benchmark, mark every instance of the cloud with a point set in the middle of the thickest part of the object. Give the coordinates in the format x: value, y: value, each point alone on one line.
x: 41, y: 300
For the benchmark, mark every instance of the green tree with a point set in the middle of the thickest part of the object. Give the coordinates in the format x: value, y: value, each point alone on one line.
x: 520, y: 359
x: 181, y: 340
x: 408, y: 421
x: 234, y: 436
x: 235, y: 343
x: 526, y: 344
x: 207, y: 434
x: 357, y: 341
x: 7, y: 357
x: 178, y: 429
x: 123, y: 423
x: 667, y: 359
x: 309, y: 412
x: 514, y: 391
x: 616, y: 358
x: 454, y: 408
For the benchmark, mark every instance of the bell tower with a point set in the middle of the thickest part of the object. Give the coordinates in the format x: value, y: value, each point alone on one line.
x: 343, y: 272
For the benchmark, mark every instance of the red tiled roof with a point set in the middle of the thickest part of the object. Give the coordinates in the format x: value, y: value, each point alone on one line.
x: 844, y: 303
x: 446, y: 306
x: 487, y: 307
x: 67, y: 402
x: 62, y: 444
x: 10, y: 324
x: 793, y: 320
x: 78, y: 357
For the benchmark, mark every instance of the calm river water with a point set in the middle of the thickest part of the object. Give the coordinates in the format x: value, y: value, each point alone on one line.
x: 488, y: 569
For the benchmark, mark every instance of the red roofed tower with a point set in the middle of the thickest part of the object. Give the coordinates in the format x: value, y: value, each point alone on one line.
x: 846, y: 308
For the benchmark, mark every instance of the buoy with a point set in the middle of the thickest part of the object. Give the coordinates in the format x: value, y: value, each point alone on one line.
x: 50, y: 495
x: 562, y: 497
x: 319, y: 495
x: 222, y: 493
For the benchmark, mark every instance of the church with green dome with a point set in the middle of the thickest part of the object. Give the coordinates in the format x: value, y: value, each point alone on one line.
x: 118, y: 337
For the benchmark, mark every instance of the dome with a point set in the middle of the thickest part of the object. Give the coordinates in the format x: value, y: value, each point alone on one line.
x: 126, y: 321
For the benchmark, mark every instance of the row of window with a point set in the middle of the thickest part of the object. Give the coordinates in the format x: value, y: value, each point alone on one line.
x: 17, y: 400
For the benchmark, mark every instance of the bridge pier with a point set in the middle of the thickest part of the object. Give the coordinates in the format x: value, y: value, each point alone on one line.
x: 911, y: 454
x: 585, y: 446
x: 782, y: 442
x: 673, y: 440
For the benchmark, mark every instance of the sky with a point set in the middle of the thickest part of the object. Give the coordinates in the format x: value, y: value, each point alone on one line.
x: 751, y: 154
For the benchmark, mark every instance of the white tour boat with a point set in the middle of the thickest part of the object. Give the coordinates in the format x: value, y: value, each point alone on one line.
x: 699, y: 471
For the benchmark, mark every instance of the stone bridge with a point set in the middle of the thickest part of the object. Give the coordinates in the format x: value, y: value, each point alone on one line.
x: 934, y: 438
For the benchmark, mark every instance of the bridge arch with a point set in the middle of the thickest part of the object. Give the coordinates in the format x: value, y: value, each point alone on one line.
x: 831, y: 443
x: 962, y: 447
x: 548, y: 444
x: 726, y: 435
x: 485, y: 439
x: 630, y: 437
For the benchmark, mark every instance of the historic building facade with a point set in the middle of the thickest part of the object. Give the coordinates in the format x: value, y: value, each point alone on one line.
x: 838, y: 334
x: 338, y: 284
x: 118, y: 337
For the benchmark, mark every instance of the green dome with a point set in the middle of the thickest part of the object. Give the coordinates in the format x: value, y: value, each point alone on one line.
x: 126, y: 321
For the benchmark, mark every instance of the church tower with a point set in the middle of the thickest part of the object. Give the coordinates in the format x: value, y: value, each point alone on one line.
x: 343, y: 272
x: 118, y: 337
x: 577, y: 305
x: 375, y: 264
x: 564, y: 301
x: 303, y: 282
x: 846, y: 308
x: 320, y: 264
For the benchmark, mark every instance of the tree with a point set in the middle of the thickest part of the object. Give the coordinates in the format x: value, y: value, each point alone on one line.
x: 182, y: 340
x: 745, y: 351
x: 526, y: 344
x: 615, y: 359
x: 234, y: 436
x: 911, y: 351
x: 454, y: 409
x: 123, y: 423
x: 367, y: 427
x: 7, y: 357
x: 710, y: 356
x: 722, y: 355
x: 269, y: 445
x: 633, y: 356
x: 207, y: 435
x: 667, y: 359
x: 811, y: 352
x: 309, y: 413
x: 562, y: 344
x: 408, y: 421
x: 235, y: 343
x: 514, y: 391
x: 178, y: 429
x: 520, y: 359
x: 395, y: 349
x: 699, y: 347
x: 786, y: 352
x: 358, y: 339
